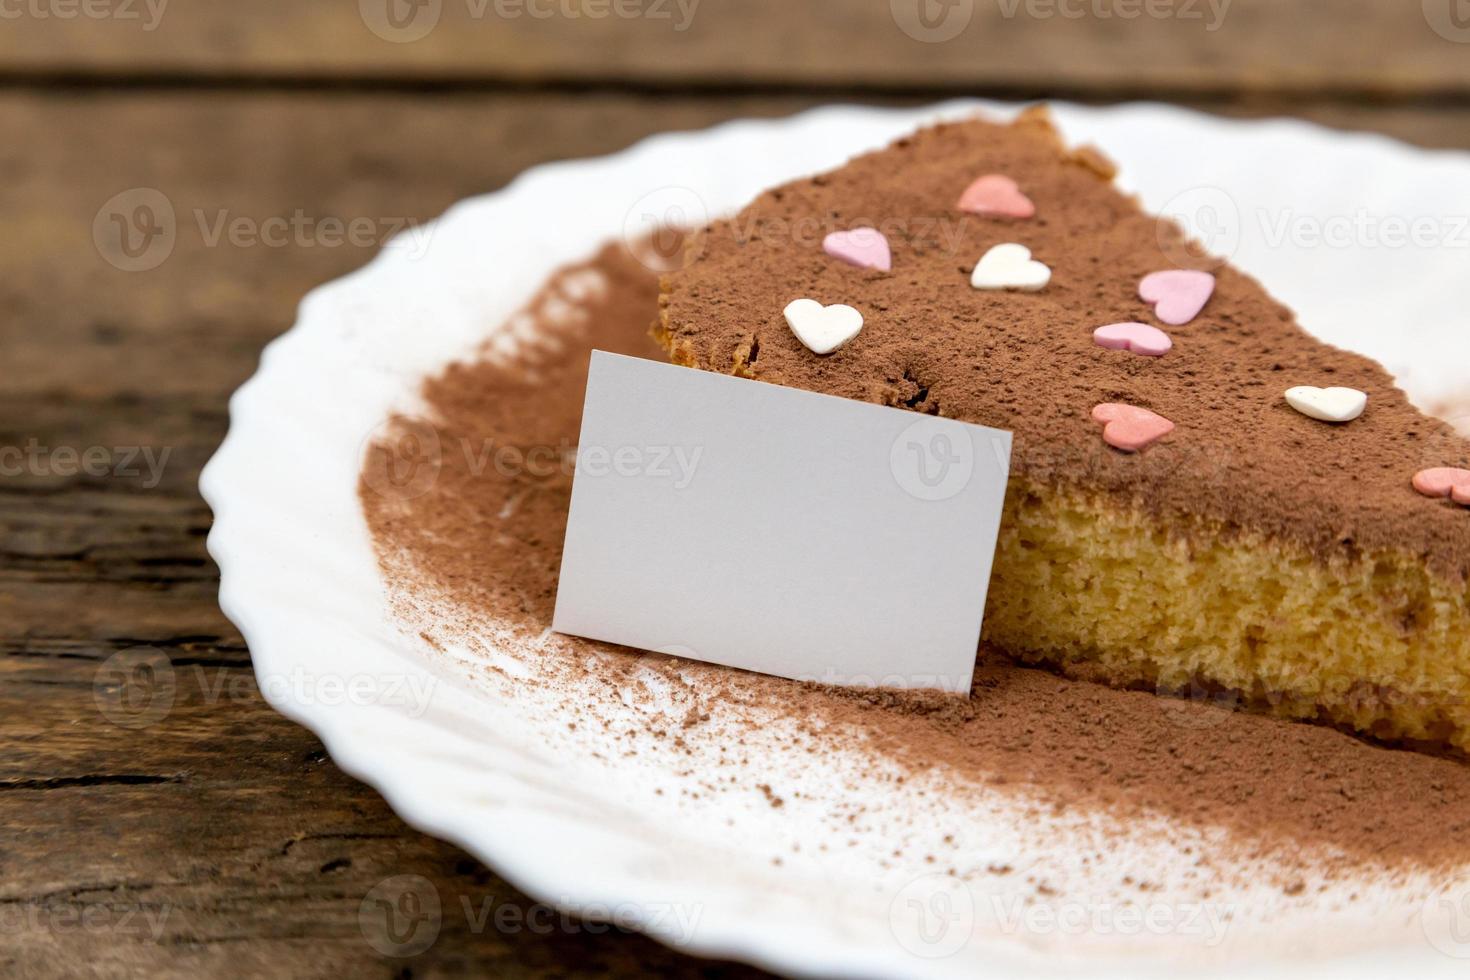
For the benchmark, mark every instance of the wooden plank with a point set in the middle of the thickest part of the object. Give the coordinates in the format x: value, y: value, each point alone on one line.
x: 1106, y: 47
x: 212, y: 836
x: 195, y: 323
x: 171, y: 823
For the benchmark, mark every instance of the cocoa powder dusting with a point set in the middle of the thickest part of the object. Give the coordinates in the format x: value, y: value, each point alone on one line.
x: 1027, y: 362
x: 488, y: 534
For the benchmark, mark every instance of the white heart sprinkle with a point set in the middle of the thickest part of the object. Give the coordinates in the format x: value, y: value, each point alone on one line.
x: 1327, y: 404
x: 823, y: 328
x: 1010, y: 266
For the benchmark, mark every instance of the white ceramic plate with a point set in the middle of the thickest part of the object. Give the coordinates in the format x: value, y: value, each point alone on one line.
x: 481, y: 758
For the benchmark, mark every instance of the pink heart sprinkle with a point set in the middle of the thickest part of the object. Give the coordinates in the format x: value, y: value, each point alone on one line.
x: 1140, y: 338
x: 1444, y: 481
x: 1130, y: 428
x: 998, y: 195
x: 1177, y: 294
x: 862, y: 247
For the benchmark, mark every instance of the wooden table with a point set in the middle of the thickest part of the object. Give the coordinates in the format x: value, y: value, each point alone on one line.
x: 199, y: 831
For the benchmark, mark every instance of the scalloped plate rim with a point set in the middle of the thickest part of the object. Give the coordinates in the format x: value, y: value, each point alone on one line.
x: 408, y: 792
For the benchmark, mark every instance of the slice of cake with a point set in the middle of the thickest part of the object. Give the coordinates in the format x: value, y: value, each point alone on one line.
x: 1202, y: 497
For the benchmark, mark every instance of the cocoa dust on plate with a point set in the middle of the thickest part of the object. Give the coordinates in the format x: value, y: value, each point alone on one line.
x: 1275, y: 787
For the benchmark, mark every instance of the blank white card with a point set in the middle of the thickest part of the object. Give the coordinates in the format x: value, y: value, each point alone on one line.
x: 779, y: 530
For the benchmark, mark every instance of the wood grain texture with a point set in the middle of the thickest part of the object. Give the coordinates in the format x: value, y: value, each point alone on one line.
x: 1109, y: 47
x: 177, y: 825
x: 195, y: 323
x: 215, y: 837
